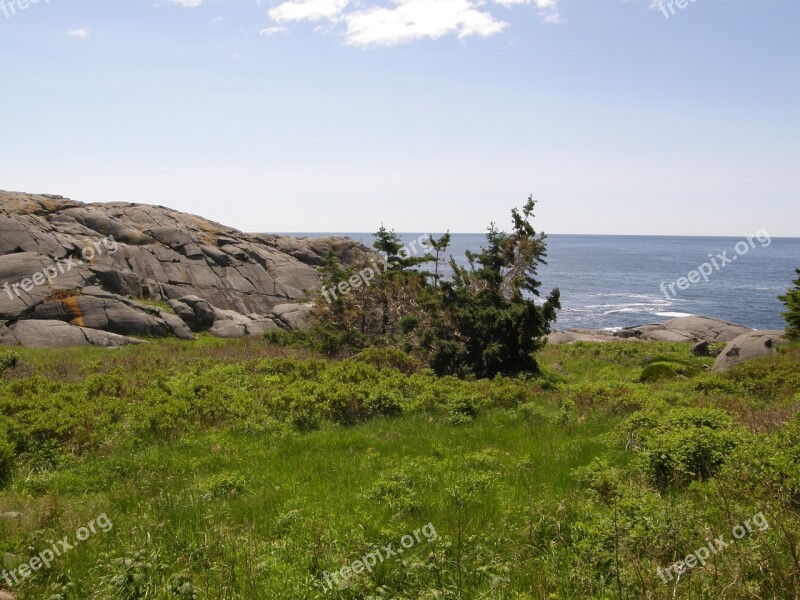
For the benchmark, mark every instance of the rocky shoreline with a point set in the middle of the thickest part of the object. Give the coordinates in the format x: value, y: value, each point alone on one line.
x: 110, y: 274
x: 742, y: 342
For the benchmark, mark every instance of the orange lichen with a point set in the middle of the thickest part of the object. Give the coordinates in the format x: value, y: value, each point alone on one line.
x: 72, y: 308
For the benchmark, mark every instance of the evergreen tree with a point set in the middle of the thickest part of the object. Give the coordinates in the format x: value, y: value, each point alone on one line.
x: 336, y: 314
x: 489, y: 322
x: 483, y: 322
x: 440, y: 247
x: 389, y: 244
x: 398, y: 275
x: 792, y: 315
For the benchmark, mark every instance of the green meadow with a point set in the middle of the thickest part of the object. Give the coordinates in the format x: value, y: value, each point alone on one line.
x: 243, y: 469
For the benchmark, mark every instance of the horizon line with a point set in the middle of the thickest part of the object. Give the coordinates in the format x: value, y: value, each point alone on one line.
x: 662, y: 235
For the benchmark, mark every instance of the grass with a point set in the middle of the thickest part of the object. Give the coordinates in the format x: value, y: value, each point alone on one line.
x: 238, y: 469
x: 212, y: 493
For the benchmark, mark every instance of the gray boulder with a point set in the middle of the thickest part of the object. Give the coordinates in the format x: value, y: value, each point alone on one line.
x: 293, y: 316
x: 97, y: 309
x: 706, y: 329
x: 56, y: 334
x: 750, y: 345
x: 230, y: 324
x: 195, y: 312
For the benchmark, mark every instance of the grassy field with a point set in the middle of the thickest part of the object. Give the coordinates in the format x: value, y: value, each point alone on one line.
x: 238, y: 469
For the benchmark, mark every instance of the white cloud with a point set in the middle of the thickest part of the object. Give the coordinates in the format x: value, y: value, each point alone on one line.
x: 374, y: 23
x: 268, y: 31
x: 308, y: 10
x: 187, y: 3
x: 548, y: 9
x: 82, y: 32
x: 419, y: 19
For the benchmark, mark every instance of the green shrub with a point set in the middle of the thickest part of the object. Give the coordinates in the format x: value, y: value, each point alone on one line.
x: 768, y: 466
x: 507, y: 393
x: 667, y: 369
x: 8, y: 360
x: 683, y: 444
x: 6, y: 453
x: 567, y: 414
x: 398, y: 489
x: 657, y: 372
x: 769, y: 381
x: 162, y: 414
x: 601, y: 478
x: 223, y: 486
x: 292, y: 368
x: 537, y: 413
x: 390, y: 358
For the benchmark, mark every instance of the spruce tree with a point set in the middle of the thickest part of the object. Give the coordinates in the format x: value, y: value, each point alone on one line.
x: 489, y: 322
x: 792, y: 315
x: 399, y: 274
x: 440, y: 247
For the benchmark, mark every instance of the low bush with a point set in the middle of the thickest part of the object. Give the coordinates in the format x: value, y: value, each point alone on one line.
x: 6, y: 453
x: 390, y: 358
x: 683, y: 444
x: 8, y: 360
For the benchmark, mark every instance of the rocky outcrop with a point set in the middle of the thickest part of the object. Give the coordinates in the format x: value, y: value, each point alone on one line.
x: 743, y: 343
x: 55, y: 334
x: 69, y: 269
x: 567, y: 336
x: 686, y: 329
x: 682, y: 329
x: 750, y: 345
x: 230, y: 324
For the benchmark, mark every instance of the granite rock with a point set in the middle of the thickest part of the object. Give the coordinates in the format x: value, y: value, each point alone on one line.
x: 86, y: 265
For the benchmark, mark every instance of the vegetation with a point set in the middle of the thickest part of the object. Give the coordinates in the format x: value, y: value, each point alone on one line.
x: 241, y: 469
x: 792, y: 315
x: 483, y: 322
x: 256, y: 468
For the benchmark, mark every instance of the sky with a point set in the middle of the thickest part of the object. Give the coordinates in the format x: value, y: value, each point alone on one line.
x: 619, y: 116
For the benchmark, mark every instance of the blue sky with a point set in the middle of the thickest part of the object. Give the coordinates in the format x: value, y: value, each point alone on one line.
x: 337, y: 115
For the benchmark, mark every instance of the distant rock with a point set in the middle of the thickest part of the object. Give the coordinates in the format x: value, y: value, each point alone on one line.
x: 581, y: 335
x: 705, y: 328
x: 682, y: 329
x: 57, y: 293
x: 750, y: 345
x: 743, y: 343
x: 686, y: 329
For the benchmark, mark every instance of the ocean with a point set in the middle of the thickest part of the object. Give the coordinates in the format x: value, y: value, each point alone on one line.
x: 616, y: 281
